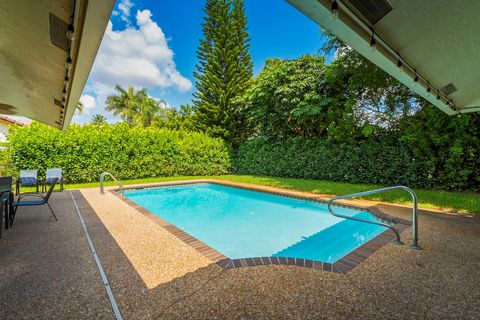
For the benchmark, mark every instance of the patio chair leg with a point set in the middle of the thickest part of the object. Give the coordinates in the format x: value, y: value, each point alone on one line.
x: 52, y: 212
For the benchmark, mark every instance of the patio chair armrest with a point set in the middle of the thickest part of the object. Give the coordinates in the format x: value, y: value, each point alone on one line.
x: 30, y: 194
x: 4, y: 191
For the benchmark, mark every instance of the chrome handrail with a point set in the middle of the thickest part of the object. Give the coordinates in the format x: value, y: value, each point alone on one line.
x: 102, y: 178
x: 414, y: 244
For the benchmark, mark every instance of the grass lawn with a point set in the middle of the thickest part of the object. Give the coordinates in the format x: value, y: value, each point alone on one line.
x: 461, y: 202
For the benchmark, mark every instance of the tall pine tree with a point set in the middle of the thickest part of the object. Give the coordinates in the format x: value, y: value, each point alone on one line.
x: 224, y: 70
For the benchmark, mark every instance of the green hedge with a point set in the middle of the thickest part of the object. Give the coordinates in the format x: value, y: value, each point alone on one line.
x: 83, y: 152
x: 377, y: 162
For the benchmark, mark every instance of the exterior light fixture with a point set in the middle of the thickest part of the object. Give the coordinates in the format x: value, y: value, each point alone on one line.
x: 400, y: 65
x: 64, y: 90
x: 373, y: 43
x: 68, y: 63
x: 415, y: 80
x: 334, y: 11
x: 70, y: 32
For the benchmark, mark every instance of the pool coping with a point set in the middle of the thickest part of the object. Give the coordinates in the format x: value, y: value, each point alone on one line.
x: 343, y: 265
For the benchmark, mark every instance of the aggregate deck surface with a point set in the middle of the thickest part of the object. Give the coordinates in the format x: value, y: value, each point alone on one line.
x: 47, y: 272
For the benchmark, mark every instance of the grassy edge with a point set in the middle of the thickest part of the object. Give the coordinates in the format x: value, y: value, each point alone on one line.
x: 458, y: 202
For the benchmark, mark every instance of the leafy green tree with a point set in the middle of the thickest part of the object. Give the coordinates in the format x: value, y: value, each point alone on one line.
x: 98, y: 119
x: 377, y: 98
x: 450, y: 144
x: 224, y: 70
x: 296, y: 98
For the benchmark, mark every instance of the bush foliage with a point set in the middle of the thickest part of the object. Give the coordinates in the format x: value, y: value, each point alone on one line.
x: 370, y: 161
x: 84, y: 152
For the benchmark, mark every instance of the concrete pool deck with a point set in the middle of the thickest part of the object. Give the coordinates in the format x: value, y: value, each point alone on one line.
x: 47, y: 271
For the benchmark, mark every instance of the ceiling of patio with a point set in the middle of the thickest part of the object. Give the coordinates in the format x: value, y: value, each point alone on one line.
x: 437, y: 40
x: 34, y: 50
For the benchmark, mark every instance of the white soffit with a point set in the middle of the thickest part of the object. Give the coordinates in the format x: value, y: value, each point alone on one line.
x: 33, y: 55
x: 439, y: 39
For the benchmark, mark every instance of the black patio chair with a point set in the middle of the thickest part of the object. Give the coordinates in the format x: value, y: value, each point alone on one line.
x: 5, y: 201
x: 4, y: 212
x: 43, y: 199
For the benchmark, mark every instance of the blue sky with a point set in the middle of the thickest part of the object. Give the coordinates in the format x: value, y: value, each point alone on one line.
x: 153, y: 44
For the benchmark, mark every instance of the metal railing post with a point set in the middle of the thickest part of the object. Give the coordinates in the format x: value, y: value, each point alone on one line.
x: 397, y: 240
x: 102, y: 179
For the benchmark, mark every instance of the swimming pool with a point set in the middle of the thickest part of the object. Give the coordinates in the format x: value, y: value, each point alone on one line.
x: 241, y: 223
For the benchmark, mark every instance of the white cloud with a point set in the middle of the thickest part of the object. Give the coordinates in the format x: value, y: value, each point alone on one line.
x: 138, y: 55
x: 88, y: 102
x: 125, y: 6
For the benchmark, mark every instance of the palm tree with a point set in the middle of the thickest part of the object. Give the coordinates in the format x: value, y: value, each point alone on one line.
x: 149, y: 109
x: 98, y: 119
x: 127, y: 102
x: 135, y: 107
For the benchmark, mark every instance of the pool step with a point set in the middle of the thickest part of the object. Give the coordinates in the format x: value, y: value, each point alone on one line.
x: 328, y: 245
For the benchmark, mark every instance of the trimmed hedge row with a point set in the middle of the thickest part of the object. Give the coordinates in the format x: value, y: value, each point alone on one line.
x: 377, y: 162
x: 83, y: 152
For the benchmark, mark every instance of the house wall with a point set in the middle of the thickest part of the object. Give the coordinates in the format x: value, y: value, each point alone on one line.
x: 3, y: 132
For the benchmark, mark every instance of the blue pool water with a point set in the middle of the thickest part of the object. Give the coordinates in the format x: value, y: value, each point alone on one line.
x: 242, y: 223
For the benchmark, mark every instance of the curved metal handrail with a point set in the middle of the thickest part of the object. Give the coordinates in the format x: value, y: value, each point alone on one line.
x: 414, y: 245
x: 102, y: 178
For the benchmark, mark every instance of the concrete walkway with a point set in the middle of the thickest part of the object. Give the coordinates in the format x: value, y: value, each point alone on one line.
x: 47, y: 271
x: 46, y: 268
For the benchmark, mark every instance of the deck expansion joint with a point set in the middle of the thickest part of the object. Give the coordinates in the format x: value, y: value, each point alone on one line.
x: 103, y: 276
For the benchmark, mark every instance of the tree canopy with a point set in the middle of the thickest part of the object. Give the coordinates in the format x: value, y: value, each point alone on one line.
x: 224, y: 69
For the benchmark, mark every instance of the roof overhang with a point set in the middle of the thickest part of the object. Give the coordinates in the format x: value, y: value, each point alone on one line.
x: 437, y: 43
x: 34, y: 50
x: 10, y: 121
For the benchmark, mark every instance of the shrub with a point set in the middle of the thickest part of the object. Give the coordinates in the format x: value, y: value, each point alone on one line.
x: 6, y: 166
x: 377, y: 162
x: 83, y: 152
